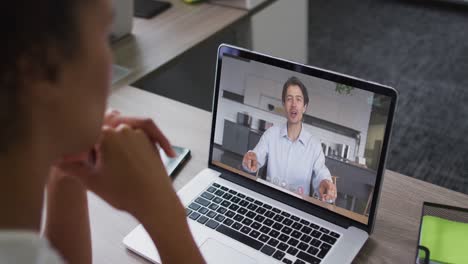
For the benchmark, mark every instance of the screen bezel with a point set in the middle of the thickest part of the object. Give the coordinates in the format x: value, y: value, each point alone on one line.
x: 298, y: 203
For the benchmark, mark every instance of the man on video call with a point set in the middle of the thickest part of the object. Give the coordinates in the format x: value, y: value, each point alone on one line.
x: 295, y: 159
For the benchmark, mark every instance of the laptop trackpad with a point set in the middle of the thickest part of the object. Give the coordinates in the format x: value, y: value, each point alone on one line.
x: 216, y: 252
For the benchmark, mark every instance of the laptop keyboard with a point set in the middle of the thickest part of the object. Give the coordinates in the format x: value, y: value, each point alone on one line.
x: 274, y: 232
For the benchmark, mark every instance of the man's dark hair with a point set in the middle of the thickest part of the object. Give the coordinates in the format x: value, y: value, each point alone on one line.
x: 294, y: 81
x: 31, y: 31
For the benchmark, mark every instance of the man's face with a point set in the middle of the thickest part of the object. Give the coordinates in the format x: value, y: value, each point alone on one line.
x: 294, y: 104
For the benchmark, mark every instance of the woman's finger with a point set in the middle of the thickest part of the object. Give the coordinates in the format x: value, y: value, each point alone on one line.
x: 150, y: 129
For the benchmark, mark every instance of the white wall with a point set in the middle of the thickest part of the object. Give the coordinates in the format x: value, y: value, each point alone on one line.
x: 282, y: 30
x: 261, y: 84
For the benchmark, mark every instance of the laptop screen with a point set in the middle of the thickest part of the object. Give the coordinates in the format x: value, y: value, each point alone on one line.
x: 310, y: 137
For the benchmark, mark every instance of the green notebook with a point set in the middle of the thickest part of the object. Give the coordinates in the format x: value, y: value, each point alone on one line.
x: 446, y: 240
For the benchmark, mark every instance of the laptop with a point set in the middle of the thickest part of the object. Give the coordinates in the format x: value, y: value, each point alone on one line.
x: 272, y: 209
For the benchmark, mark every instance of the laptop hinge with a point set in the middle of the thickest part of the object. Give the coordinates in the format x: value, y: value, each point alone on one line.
x: 297, y: 203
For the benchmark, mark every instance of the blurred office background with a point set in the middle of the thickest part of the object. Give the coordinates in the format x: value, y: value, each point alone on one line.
x: 418, y: 47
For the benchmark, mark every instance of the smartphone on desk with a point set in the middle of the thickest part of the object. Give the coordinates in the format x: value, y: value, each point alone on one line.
x: 173, y: 164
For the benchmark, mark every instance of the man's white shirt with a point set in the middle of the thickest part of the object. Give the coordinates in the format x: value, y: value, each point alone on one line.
x: 294, y: 165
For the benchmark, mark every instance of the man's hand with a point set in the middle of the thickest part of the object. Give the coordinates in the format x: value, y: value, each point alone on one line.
x: 250, y: 161
x: 327, y: 190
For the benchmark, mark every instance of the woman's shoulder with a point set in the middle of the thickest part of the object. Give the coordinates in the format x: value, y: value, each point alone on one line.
x: 26, y: 247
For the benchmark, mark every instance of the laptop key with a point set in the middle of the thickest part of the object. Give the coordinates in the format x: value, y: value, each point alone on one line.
x: 203, y: 210
x: 298, y: 261
x: 247, y: 221
x: 224, y: 188
x: 328, y: 239
x: 292, y: 251
x: 245, y: 229
x: 217, y: 200
x: 316, y: 234
x: 207, y: 195
x: 219, y: 218
x: 251, y: 214
x: 211, y: 189
x: 232, y: 192
x: 254, y: 233
x: 283, y: 237
x: 252, y: 207
x: 225, y: 203
x: 236, y: 226
x: 228, y: 222
x: 268, y: 222
x: 287, y: 261
x: 305, y: 222
x: 277, y: 226
x: 287, y: 222
x: 274, y: 233
x: 221, y: 210
x: 267, y: 250
x: 259, y: 218
x: 234, y: 207
x: 286, y: 230
x: 202, y: 220
x: 194, y: 206
x: 279, y: 255
x: 315, y: 243
x: 269, y: 214
x: 187, y: 211
x: 242, y: 211
x: 308, y: 258
x: 312, y: 250
x: 265, y: 229
x: 285, y: 214
x: 257, y: 202
x: 216, y: 185
x: 335, y: 235
x: 243, y: 203
x: 296, y: 234
x: 238, y: 217
x: 306, y: 230
x: 230, y: 213
x: 227, y: 196
x: 282, y: 246
x: 297, y: 226
x: 263, y: 238
x: 219, y: 193
x: 273, y: 242
x: 293, y: 242
x: 235, y: 199
x: 260, y: 210
x: 211, y: 214
x: 267, y: 206
x: 213, y: 206
x: 212, y: 224
x: 295, y: 218
x: 324, y: 248
x: 249, y: 199
x: 276, y: 210
x: 278, y: 218
x: 303, y: 246
x: 314, y: 226
x: 306, y: 238
x: 324, y: 230
x: 202, y: 201
x: 242, y: 196
x: 239, y: 237
x: 256, y: 225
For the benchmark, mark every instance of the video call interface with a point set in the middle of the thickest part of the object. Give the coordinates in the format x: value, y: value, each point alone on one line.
x: 315, y: 139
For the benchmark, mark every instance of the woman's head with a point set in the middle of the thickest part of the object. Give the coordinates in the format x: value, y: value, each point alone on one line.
x: 55, y: 71
x: 295, y: 100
